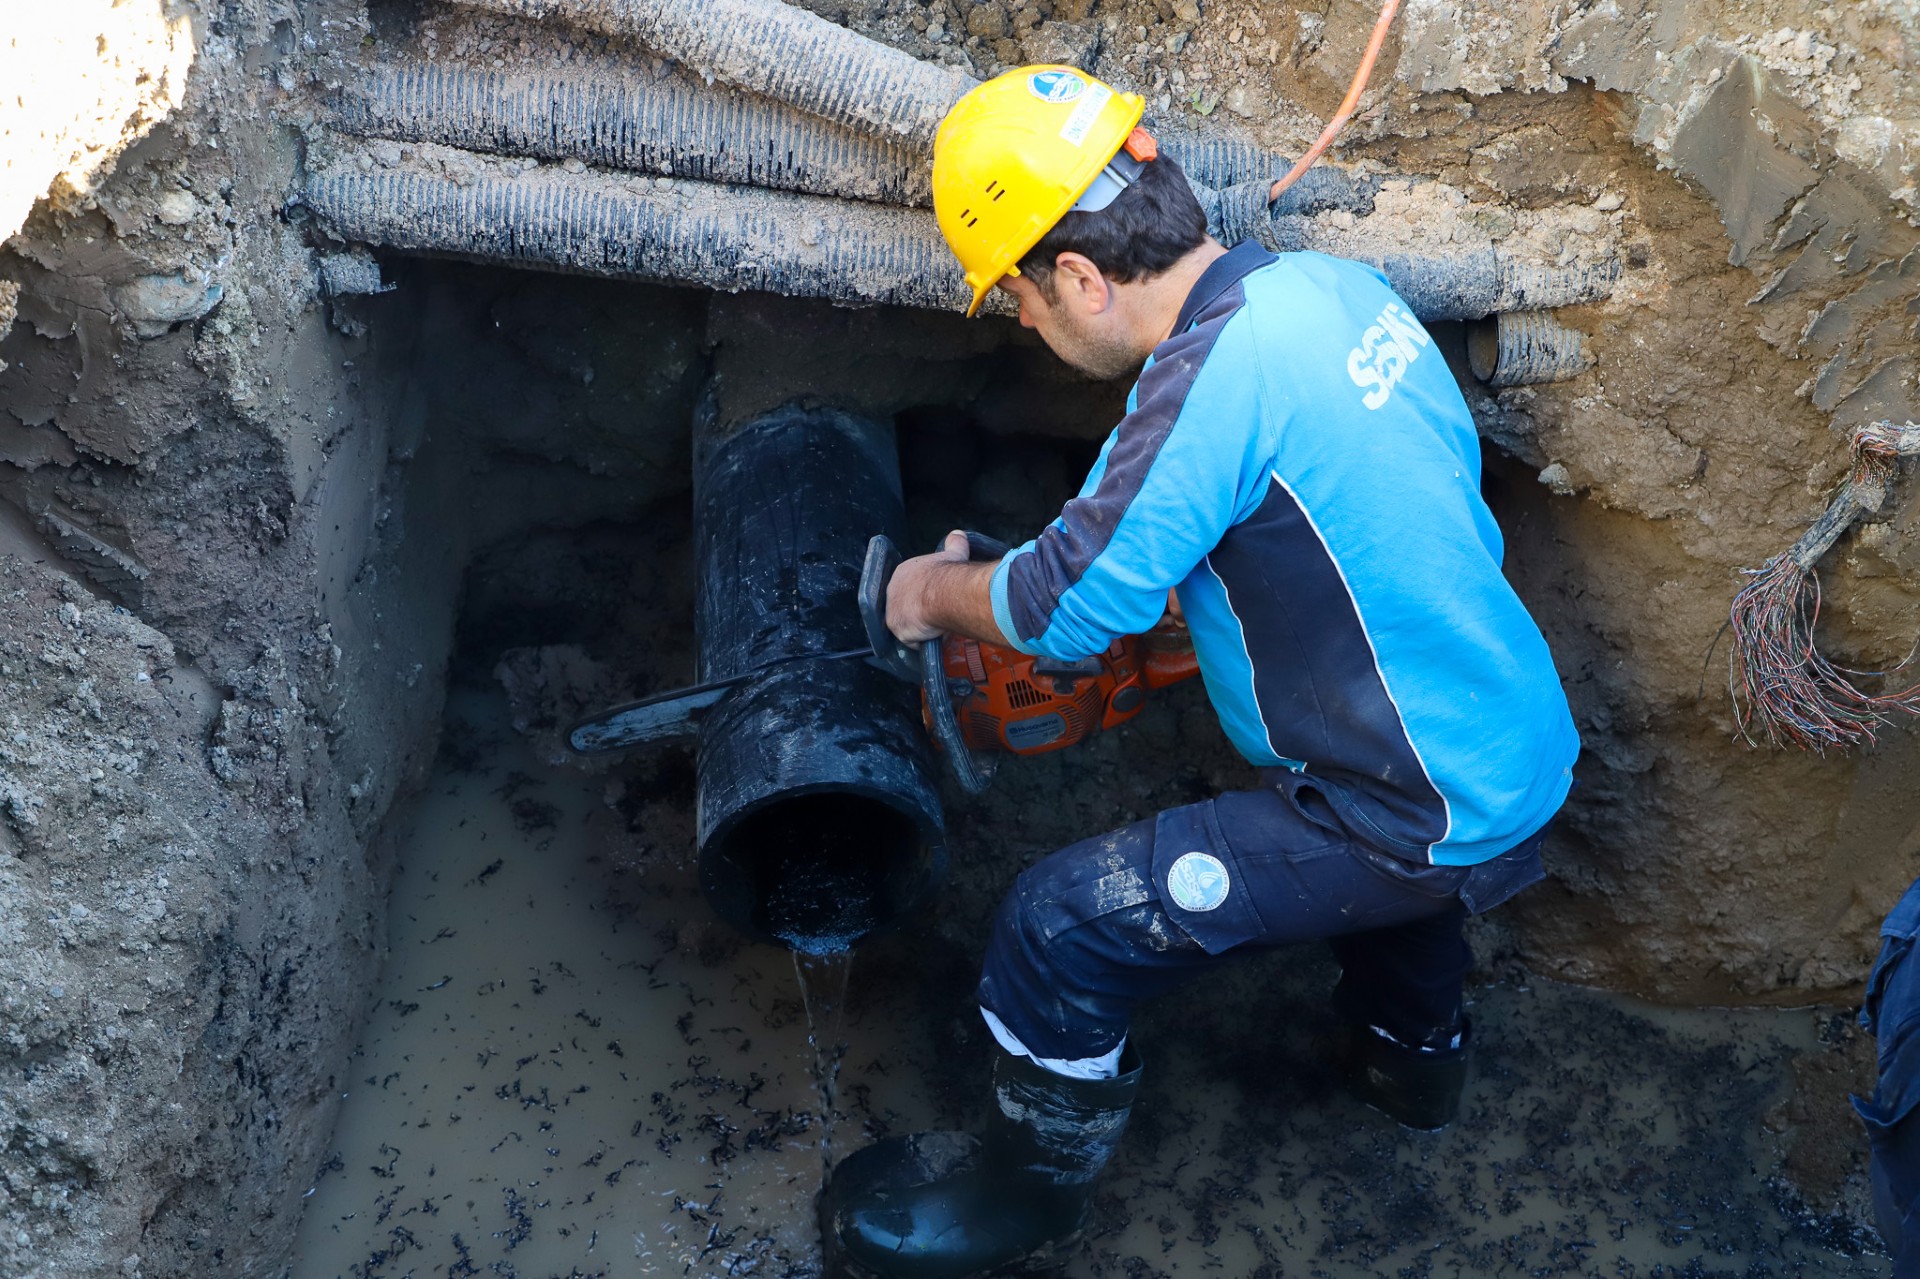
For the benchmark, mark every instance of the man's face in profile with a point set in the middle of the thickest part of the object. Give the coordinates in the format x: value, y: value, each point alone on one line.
x: 1074, y: 316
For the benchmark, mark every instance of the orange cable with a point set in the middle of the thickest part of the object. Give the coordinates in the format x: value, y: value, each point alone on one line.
x: 1347, y: 106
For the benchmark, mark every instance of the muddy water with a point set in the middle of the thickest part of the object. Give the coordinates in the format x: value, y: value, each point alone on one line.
x: 550, y: 1084
x: 553, y: 1084
x: 1599, y: 1137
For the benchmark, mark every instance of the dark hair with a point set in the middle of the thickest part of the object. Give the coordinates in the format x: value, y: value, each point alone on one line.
x: 1151, y: 225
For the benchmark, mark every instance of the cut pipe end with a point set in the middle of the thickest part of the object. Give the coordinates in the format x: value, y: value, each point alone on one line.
x: 819, y: 872
x: 1525, y: 348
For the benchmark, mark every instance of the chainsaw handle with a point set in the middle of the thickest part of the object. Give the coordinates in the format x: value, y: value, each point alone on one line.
x: 981, y: 547
x: 927, y: 667
x: 973, y: 771
x: 890, y: 653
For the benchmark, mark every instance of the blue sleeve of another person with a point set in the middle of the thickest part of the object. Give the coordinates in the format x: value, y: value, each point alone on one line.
x: 1891, y: 1011
x: 1181, y: 468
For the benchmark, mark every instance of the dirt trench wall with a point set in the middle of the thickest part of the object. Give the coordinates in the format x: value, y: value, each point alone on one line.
x: 1775, y: 312
x: 232, y: 528
x: 221, y: 644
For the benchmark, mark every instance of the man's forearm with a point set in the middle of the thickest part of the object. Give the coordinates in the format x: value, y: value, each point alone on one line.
x: 959, y: 601
x: 943, y: 594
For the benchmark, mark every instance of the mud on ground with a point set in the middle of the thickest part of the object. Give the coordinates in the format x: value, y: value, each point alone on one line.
x: 570, y: 1069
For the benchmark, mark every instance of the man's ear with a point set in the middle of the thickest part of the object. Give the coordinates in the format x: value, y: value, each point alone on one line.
x: 1076, y: 277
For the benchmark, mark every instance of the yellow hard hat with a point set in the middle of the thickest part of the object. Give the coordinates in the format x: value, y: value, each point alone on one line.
x: 1015, y: 155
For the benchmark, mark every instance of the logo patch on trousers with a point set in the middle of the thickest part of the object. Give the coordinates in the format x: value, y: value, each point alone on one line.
x: 1198, y: 882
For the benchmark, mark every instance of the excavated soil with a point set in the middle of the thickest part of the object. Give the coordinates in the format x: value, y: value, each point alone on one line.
x: 254, y: 517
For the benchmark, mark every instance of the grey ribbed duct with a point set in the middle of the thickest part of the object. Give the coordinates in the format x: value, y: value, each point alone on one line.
x: 1218, y: 161
x: 619, y: 118
x: 682, y: 232
x: 1475, y: 279
x: 795, y: 57
x: 1525, y: 348
x: 644, y: 124
x: 450, y: 202
x: 1470, y: 283
x: 774, y: 49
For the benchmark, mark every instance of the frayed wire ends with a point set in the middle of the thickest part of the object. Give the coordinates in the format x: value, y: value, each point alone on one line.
x: 1784, y: 690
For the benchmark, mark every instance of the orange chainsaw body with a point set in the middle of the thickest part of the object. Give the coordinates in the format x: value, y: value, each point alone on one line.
x: 1008, y: 701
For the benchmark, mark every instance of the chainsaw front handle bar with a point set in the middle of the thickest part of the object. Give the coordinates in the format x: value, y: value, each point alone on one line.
x: 974, y: 771
x: 927, y: 666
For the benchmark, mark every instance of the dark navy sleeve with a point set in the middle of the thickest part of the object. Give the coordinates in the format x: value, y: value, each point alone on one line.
x: 1183, y: 464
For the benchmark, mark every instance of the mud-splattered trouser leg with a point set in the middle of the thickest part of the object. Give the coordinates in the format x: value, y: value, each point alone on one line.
x: 1110, y: 921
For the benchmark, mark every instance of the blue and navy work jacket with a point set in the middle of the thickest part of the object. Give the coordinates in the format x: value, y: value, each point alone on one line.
x: 1298, y: 461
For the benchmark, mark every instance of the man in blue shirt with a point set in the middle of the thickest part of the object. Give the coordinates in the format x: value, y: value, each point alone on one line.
x: 1299, y: 470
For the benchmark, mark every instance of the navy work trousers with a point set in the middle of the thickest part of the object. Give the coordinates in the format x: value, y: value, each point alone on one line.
x: 1109, y: 921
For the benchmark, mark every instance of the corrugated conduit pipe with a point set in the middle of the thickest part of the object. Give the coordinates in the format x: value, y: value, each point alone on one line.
x: 1475, y: 280
x: 779, y: 51
x: 444, y: 201
x: 662, y: 125
x: 450, y: 201
x: 800, y: 59
x: 1218, y: 163
x: 1525, y: 348
x: 615, y: 118
x: 447, y: 202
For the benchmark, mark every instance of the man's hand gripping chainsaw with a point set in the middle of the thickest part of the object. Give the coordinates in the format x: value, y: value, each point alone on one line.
x: 978, y: 700
x: 981, y: 700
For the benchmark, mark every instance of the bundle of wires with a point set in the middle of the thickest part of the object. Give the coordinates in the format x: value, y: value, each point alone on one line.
x: 1784, y: 689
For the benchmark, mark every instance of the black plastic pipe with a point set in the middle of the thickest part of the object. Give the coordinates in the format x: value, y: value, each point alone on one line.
x: 819, y: 817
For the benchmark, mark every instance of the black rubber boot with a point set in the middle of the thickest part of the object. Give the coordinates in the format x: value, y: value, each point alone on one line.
x: 1011, y: 1202
x: 1419, y: 1087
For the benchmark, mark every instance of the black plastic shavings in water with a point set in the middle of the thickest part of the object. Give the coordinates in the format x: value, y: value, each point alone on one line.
x: 522, y: 1220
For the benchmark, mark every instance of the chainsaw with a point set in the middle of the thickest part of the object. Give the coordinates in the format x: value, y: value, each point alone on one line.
x: 979, y: 701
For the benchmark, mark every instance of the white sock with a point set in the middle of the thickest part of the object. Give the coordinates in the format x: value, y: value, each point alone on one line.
x: 1105, y: 1066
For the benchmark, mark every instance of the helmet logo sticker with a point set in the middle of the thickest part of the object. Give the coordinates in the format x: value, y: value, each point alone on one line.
x: 1088, y: 110
x: 1198, y: 882
x: 1056, y: 86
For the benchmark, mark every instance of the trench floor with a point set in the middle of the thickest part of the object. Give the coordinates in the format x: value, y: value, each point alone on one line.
x: 567, y: 1071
